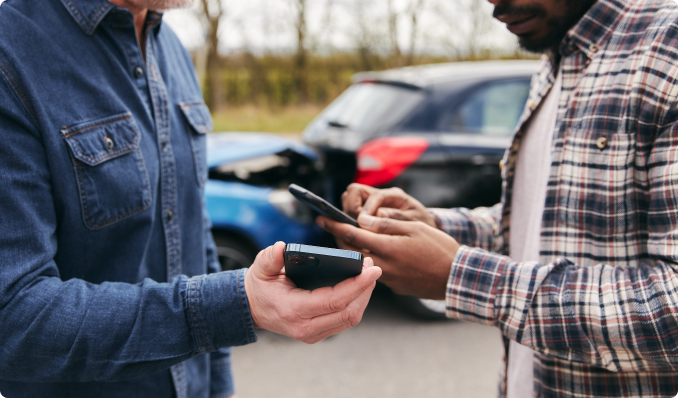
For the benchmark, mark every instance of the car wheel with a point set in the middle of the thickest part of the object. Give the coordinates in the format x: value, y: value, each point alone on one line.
x: 429, y: 309
x: 233, y: 252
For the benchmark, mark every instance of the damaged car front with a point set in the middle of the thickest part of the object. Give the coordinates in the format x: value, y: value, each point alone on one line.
x: 247, y: 197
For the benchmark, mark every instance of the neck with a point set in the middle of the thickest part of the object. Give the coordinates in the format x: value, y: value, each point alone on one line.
x: 139, y: 14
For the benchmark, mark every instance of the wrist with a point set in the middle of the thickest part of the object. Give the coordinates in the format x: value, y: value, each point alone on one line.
x: 249, y: 292
x: 435, y: 221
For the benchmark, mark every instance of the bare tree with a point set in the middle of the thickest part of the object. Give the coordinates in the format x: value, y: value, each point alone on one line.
x: 467, y: 34
x: 212, y: 12
x: 301, y: 57
x: 364, y: 34
x: 480, y: 23
x: 326, y: 29
x: 393, y: 33
x: 416, y: 9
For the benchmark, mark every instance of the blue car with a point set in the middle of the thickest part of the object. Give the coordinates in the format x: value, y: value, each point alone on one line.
x: 247, y: 197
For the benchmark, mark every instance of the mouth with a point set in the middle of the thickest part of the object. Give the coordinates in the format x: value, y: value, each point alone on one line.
x: 519, y: 24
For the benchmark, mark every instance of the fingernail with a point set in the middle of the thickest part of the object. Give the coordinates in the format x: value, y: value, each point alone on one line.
x: 273, y: 251
x: 376, y: 275
x: 365, y: 220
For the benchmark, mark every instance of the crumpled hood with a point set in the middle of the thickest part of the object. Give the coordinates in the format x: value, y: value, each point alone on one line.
x: 232, y: 147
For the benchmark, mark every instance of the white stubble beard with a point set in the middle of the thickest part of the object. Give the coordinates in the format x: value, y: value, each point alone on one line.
x: 162, y: 5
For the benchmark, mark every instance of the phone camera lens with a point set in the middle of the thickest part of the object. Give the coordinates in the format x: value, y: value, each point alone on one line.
x: 296, y: 260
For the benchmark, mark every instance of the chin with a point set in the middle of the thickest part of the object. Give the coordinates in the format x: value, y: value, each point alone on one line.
x: 541, y: 43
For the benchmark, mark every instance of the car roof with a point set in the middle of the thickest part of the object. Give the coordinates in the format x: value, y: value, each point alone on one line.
x: 425, y: 76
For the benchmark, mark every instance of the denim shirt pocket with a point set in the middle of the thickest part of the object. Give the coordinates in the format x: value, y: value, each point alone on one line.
x: 109, y: 168
x: 198, y: 117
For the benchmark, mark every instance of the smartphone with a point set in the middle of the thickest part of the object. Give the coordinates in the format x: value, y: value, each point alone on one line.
x: 312, y: 267
x: 321, y: 205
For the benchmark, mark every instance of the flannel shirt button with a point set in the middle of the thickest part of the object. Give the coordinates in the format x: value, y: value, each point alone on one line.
x: 494, y: 230
x: 531, y: 104
x: 501, y: 165
x: 601, y: 143
x: 593, y: 48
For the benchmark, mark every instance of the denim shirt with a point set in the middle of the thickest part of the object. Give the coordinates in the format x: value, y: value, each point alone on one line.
x: 104, y: 238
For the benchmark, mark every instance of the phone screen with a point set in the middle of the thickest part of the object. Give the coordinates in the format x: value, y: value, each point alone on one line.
x: 321, y: 205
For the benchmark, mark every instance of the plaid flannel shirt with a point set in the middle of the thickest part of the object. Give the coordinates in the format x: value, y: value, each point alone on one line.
x: 600, y: 309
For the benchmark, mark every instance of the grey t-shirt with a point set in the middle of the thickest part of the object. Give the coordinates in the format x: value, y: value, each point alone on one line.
x: 527, y: 208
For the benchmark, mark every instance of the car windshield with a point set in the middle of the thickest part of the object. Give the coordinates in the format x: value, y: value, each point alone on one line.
x: 364, y: 107
x: 493, y: 110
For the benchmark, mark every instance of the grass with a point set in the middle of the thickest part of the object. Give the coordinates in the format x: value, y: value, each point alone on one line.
x: 287, y: 120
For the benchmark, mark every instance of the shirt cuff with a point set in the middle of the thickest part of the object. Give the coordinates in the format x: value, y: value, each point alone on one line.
x: 472, y: 286
x: 436, y: 217
x: 218, y: 311
x: 447, y: 220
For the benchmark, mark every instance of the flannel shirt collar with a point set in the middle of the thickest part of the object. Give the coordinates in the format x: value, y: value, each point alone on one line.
x: 588, y: 36
x: 593, y: 29
x: 89, y: 14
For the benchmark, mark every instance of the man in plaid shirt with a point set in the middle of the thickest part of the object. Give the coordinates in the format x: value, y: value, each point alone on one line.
x: 597, y: 306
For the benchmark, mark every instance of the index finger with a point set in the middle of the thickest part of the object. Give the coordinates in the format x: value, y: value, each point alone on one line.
x: 388, y: 197
x: 353, y: 198
x: 329, y: 300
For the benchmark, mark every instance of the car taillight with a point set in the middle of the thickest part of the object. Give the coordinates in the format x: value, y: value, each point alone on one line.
x: 382, y: 160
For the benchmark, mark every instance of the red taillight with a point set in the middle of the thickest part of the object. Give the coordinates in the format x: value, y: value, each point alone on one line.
x: 383, y: 159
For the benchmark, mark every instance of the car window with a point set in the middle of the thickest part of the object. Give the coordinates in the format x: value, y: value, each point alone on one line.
x: 364, y: 107
x: 492, y: 110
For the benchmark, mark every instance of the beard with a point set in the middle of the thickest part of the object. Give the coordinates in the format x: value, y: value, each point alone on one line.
x: 558, y: 26
x: 161, y: 5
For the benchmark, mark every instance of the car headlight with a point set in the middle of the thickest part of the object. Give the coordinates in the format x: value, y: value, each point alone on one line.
x: 288, y: 205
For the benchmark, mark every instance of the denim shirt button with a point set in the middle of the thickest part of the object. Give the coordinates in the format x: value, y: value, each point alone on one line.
x: 138, y: 72
x: 109, y: 143
x: 170, y: 214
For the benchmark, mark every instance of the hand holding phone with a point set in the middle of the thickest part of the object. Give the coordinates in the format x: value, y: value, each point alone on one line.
x: 277, y: 305
x: 312, y: 267
x: 321, y: 205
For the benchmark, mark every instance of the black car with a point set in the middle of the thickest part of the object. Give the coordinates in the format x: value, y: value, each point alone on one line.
x: 436, y: 131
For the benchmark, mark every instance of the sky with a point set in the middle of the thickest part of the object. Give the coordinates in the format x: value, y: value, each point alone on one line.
x: 268, y: 25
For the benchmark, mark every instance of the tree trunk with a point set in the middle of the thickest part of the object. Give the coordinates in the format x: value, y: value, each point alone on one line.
x: 393, y: 34
x: 214, y: 93
x: 301, y: 57
x: 417, y: 7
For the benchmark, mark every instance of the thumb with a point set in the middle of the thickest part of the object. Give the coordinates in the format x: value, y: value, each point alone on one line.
x: 270, y: 261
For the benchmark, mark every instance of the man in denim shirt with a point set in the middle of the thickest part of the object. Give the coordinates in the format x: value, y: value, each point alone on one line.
x: 102, y: 166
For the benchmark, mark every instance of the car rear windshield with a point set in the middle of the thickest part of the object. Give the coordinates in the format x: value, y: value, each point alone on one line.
x: 492, y: 110
x: 368, y: 107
